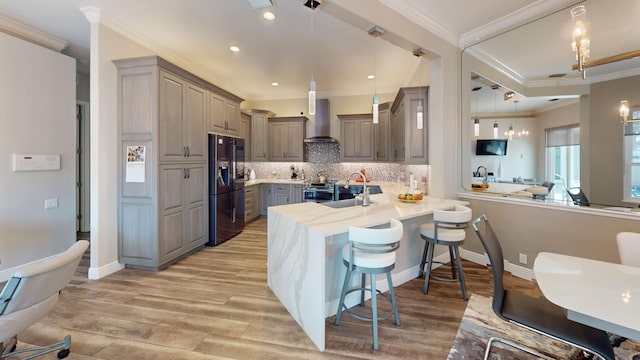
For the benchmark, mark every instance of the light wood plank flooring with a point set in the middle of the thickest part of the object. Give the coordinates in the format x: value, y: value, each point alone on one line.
x: 216, y: 304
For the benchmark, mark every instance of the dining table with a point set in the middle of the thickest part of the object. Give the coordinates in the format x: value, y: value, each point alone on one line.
x: 600, y: 294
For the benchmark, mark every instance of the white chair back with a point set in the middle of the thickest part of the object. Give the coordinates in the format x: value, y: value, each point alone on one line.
x: 373, y: 236
x: 41, y: 279
x: 629, y: 248
x: 459, y: 214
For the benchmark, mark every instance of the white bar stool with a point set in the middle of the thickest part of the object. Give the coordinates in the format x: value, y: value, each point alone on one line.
x: 446, y: 229
x: 371, y: 251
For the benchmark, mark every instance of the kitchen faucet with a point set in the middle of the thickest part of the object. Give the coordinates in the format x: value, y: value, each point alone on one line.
x: 365, y: 191
x: 486, y: 178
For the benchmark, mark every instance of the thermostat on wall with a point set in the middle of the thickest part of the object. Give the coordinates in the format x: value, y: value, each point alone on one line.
x: 34, y: 162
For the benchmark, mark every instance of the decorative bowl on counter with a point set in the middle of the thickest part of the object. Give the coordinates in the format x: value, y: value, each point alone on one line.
x: 479, y: 186
x: 410, y: 198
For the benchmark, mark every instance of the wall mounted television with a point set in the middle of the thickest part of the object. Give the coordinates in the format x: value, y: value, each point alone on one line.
x: 495, y: 147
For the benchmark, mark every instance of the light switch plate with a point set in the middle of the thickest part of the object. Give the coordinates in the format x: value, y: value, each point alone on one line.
x: 523, y: 259
x: 50, y: 203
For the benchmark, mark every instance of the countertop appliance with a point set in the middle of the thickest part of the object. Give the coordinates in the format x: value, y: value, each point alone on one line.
x: 226, y: 188
x: 318, y: 192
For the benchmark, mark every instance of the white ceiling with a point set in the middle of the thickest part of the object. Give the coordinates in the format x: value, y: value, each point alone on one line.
x: 338, y: 55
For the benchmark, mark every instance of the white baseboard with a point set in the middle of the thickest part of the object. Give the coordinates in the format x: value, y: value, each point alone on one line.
x: 482, y: 259
x: 100, y: 272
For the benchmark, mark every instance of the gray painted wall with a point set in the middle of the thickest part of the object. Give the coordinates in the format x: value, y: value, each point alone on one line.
x: 605, y: 176
x: 37, y: 116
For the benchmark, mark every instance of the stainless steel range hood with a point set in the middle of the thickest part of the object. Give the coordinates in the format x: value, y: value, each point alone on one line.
x: 323, y: 131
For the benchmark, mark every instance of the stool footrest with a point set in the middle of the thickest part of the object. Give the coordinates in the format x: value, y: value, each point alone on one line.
x: 348, y: 310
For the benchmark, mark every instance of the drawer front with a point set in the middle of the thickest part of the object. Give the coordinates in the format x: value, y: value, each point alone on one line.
x: 282, y: 189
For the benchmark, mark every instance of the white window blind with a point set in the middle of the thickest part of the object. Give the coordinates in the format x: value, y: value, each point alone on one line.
x: 563, y: 136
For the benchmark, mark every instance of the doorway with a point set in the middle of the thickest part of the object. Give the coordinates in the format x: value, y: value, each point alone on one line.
x: 83, y: 190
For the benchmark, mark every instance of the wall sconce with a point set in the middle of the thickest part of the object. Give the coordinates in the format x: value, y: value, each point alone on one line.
x: 630, y: 118
x: 476, y: 127
x: 624, y: 111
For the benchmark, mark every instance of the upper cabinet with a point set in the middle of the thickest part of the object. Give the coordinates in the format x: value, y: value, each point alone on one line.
x: 357, y: 142
x: 381, y: 137
x: 224, y: 114
x: 286, y: 138
x: 181, y: 114
x: 259, y: 134
x: 410, y: 144
x: 245, y: 133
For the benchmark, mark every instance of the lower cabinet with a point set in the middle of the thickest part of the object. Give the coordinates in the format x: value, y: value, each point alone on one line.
x: 182, y: 218
x: 279, y: 194
x: 156, y: 229
x: 265, y: 198
x: 251, y: 202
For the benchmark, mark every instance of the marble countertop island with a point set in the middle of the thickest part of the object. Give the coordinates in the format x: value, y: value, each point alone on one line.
x: 305, y: 241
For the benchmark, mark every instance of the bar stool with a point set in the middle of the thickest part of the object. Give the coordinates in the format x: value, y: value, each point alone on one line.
x: 371, y: 251
x: 447, y: 229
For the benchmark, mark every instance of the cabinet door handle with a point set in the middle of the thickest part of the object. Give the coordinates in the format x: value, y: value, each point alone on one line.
x: 188, y: 173
x: 184, y: 173
x: 188, y: 151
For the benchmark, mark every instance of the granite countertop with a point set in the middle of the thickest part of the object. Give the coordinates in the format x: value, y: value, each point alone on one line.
x: 273, y: 181
x: 330, y: 221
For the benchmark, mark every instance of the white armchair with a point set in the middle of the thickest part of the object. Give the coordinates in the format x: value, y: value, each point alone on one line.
x: 31, y: 293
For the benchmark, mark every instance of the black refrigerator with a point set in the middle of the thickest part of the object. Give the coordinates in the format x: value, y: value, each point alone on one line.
x: 226, y: 188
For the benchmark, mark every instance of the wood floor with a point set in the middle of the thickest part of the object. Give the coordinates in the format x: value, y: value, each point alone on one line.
x: 216, y: 304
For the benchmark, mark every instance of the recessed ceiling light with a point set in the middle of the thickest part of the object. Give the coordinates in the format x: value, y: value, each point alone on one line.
x: 268, y: 15
x: 275, y: 83
x: 234, y: 48
x: 371, y: 76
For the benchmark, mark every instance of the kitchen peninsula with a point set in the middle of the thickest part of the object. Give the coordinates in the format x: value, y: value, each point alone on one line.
x: 305, y: 269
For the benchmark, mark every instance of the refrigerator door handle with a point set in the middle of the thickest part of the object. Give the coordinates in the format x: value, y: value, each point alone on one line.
x: 233, y: 216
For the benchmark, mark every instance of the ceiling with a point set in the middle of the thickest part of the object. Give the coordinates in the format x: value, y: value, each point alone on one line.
x: 301, y: 43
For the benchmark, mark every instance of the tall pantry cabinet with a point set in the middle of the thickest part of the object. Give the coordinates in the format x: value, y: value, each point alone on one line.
x: 162, y: 170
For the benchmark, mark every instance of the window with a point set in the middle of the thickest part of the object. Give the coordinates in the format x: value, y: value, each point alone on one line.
x: 563, y: 159
x: 632, y: 169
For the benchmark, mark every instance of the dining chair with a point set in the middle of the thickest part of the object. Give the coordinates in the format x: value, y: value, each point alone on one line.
x: 534, y: 313
x: 30, y: 294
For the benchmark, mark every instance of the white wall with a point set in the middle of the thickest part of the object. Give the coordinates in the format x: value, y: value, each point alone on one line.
x: 37, y: 116
x: 106, y: 45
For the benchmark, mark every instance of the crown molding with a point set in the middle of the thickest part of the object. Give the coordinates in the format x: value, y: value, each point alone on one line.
x: 414, y: 14
x: 31, y: 34
x: 532, y: 12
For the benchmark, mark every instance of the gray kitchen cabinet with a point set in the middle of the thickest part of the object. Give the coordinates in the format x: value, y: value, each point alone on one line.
x: 296, y: 193
x: 265, y: 198
x: 182, y: 189
x: 357, y: 137
x: 251, y: 198
x: 163, y: 200
x: 284, y: 194
x: 410, y: 143
x: 286, y: 138
x: 259, y: 135
x: 245, y: 133
x: 381, y: 134
x: 224, y: 114
x: 281, y: 194
x: 181, y: 113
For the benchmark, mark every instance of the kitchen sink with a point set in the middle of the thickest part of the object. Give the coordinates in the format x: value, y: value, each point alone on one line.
x: 344, y: 203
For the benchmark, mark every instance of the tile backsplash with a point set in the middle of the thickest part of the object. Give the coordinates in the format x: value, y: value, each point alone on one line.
x: 387, y: 172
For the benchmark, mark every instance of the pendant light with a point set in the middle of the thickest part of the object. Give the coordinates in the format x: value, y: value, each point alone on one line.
x: 312, y: 84
x: 420, y: 109
x: 495, y: 123
x: 476, y: 119
x: 375, y: 32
